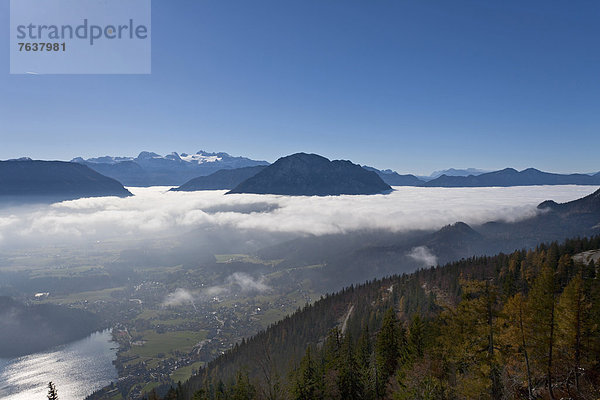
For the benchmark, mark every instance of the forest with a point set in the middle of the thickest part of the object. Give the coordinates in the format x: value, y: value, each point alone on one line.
x: 512, y: 326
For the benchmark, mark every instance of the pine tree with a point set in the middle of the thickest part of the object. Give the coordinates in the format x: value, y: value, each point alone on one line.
x: 388, y: 344
x: 52, y: 392
x: 350, y: 384
x: 243, y: 389
x: 416, y: 337
x: 305, y: 384
x: 364, y: 356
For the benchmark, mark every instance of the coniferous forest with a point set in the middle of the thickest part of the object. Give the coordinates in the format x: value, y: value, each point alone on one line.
x: 524, y: 325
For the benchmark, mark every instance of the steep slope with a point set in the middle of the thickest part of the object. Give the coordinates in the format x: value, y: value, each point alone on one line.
x: 22, y: 179
x: 304, y: 174
x: 220, y: 180
x: 434, y: 328
x: 512, y: 177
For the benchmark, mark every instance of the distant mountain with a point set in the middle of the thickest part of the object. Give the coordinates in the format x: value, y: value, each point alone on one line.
x: 151, y: 169
x: 512, y: 177
x: 457, y: 172
x: 22, y: 180
x: 220, y: 180
x: 304, y: 174
x: 392, y: 178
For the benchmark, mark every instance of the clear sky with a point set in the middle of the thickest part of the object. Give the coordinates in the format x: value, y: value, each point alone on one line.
x: 410, y: 85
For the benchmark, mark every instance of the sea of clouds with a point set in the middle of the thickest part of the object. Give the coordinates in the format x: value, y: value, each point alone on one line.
x: 156, y: 211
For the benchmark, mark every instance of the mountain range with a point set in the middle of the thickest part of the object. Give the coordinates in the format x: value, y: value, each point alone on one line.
x: 470, y: 177
x: 27, y: 180
x: 502, y: 178
x: 304, y: 174
x: 151, y: 169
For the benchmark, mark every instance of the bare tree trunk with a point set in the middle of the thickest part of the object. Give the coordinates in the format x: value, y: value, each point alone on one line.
x: 551, y: 345
x: 525, y: 353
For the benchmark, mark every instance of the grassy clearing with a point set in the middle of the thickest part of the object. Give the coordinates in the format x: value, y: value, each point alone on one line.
x: 92, y: 296
x: 184, y: 373
x: 159, y: 345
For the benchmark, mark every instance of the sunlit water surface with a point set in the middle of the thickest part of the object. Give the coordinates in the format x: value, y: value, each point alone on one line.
x: 77, y: 369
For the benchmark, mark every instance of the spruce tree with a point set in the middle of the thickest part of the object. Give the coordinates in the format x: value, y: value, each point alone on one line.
x: 52, y: 392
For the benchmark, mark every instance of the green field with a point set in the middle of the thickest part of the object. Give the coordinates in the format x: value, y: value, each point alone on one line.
x: 163, y: 344
x: 184, y: 373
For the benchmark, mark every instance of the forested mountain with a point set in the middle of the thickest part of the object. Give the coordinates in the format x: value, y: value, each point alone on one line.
x: 512, y: 326
x: 151, y: 169
x: 220, y: 180
x: 30, y: 180
x: 27, y: 329
x: 304, y: 174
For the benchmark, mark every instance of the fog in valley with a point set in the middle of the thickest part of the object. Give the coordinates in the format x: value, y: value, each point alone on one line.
x: 155, y: 212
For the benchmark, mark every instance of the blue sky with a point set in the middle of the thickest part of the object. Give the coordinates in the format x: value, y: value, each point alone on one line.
x: 414, y: 86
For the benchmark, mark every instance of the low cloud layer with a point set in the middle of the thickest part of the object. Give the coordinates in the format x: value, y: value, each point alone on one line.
x: 155, y: 211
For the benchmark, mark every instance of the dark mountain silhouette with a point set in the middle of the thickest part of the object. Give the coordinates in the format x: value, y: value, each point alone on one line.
x: 393, y: 178
x: 151, y: 169
x: 304, y: 174
x: 455, y: 241
x: 27, y: 329
x: 587, y: 205
x: 54, y: 180
x: 220, y: 180
x: 512, y: 177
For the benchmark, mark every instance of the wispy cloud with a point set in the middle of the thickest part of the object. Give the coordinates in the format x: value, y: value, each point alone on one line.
x: 423, y: 255
x: 237, y: 282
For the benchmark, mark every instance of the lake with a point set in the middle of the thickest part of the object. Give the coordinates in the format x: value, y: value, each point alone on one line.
x: 77, y: 369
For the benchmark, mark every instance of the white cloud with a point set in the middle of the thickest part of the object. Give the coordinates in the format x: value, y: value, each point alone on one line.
x: 423, y: 255
x: 236, y: 282
x: 178, y: 298
x: 155, y: 211
x: 246, y: 283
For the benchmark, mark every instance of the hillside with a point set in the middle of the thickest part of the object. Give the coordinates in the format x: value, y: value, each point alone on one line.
x: 304, y: 174
x: 54, y: 180
x: 27, y: 329
x: 220, y: 180
x: 485, y: 327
